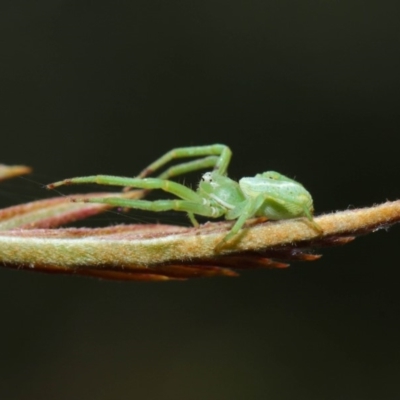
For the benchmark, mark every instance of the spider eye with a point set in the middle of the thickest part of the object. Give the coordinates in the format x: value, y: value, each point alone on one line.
x: 206, y: 177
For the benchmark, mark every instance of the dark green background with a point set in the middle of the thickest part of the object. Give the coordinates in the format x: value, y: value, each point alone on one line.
x: 308, y: 88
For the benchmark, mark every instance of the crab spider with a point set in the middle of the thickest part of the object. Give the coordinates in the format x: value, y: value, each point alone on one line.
x: 270, y: 194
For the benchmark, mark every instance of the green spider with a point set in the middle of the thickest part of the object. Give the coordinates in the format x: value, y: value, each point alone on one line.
x: 270, y: 194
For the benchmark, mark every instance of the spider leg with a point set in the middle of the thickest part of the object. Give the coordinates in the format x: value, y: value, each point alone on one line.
x: 189, y: 207
x: 247, y: 210
x: 311, y: 220
x: 223, y: 153
x: 184, y: 168
x: 192, y: 219
x: 147, y: 183
x: 305, y: 212
x: 192, y: 202
x: 191, y: 166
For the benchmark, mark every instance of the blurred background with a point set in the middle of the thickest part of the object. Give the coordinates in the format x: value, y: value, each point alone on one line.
x: 310, y: 89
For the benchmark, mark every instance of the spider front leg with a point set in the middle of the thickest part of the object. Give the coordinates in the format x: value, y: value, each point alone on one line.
x: 215, y: 155
x: 148, y: 183
x: 191, y: 202
x: 189, y: 207
x: 184, y: 168
x: 208, y: 162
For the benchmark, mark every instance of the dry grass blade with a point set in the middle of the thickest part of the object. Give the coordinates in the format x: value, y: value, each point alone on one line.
x: 163, y: 252
x: 51, y: 213
x: 11, y: 171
